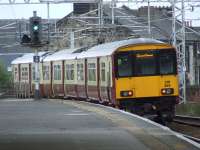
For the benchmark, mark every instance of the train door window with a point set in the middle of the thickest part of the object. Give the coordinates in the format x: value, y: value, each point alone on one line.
x: 145, y: 64
x: 80, y: 74
x: 109, y: 75
x: 57, y: 72
x: 70, y: 72
x: 91, y: 72
x: 33, y: 73
x: 45, y: 72
x: 103, y: 72
x: 124, y: 65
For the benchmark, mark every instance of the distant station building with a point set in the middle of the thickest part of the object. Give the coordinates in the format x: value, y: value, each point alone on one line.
x: 135, y: 25
x: 81, y: 8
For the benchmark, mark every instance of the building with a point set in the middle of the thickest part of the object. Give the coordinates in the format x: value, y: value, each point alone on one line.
x: 130, y: 24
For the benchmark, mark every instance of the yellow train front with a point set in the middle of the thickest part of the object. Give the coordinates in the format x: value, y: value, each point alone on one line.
x: 146, y: 78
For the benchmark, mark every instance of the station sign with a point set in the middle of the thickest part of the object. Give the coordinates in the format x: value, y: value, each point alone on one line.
x: 36, y: 59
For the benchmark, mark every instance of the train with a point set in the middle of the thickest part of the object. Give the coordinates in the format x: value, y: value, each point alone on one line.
x: 138, y: 75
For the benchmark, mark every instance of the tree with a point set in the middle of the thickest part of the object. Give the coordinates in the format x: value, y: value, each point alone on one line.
x: 5, y: 77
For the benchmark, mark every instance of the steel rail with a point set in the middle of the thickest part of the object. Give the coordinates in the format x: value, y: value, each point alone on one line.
x: 187, y: 120
x: 191, y: 138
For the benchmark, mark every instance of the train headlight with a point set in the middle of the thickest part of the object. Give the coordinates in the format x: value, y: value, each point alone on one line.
x: 126, y: 93
x: 167, y: 91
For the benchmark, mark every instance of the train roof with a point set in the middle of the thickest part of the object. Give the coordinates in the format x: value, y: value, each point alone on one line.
x: 62, y: 55
x: 26, y: 58
x: 109, y: 48
x: 79, y: 53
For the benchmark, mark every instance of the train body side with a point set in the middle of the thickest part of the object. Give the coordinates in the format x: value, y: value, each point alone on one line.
x: 93, y: 75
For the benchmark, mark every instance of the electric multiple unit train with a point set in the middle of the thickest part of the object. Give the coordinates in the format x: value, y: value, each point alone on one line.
x: 139, y: 75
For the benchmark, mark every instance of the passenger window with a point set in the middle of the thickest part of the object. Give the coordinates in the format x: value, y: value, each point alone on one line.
x: 91, y: 72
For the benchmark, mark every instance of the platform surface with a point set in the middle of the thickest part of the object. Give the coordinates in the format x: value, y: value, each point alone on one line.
x: 76, y: 125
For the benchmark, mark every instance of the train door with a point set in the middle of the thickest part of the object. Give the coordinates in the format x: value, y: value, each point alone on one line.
x: 105, y: 79
x: 46, y: 79
x: 70, y: 78
x: 81, y: 78
x: 92, y: 84
x: 57, y: 79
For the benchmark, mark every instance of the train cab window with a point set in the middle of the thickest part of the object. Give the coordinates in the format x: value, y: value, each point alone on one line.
x: 103, y: 72
x: 167, y: 63
x: 124, y: 65
x: 91, y: 72
x: 70, y: 72
x: 145, y: 64
x: 45, y: 72
x: 57, y: 72
x: 80, y: 74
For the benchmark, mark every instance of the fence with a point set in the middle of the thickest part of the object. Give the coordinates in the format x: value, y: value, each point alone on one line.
x: 22, y: 90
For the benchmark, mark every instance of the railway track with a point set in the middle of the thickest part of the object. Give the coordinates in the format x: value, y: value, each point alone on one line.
x: 187, y: 120
x: 187, y: 126
x: 191, y: 138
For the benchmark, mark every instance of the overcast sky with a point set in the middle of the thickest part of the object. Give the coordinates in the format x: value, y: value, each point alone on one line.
x: 61, y: 10
x: 26, y: 10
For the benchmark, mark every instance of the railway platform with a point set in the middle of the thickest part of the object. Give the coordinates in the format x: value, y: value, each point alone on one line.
x: 58, y: 124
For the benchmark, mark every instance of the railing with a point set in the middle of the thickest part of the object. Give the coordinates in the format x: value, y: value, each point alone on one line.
x: 22, y: 89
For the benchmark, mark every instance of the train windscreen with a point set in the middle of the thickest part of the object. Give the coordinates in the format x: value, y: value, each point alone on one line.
x: 124, y: 65
x: 167, y: 63
x: 145, y: 63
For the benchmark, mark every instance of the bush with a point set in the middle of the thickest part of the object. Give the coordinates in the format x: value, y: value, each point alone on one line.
x: 5, y: 77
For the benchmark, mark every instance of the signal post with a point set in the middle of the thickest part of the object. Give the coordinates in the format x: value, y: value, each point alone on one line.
x: 35, y: 41
x: 36, y: 35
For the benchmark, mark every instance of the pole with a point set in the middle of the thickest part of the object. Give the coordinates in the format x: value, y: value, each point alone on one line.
x: 183, y: 50
x: 37, y: 77
x: 48, y: 26
x: 149, y: 20
x: 113, y: 11
x: 72, y: 39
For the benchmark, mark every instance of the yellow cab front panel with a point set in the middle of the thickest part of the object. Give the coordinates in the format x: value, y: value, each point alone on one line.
x: 159, y: 60
x: 146, y: 86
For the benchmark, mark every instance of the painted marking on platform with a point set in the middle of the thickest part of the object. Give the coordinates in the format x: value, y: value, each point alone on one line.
x: 17, y: 100
x: 76, y: 114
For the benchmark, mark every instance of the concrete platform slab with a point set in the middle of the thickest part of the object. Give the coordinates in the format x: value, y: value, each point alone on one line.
x: 78, y: 125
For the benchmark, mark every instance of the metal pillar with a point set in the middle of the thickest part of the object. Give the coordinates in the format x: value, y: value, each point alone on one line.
x: 178, y: 31
x: 149, y: 20
x: 37, y: 77
x: 100, y: 13
x: 113, y: 11
x: 72, y: 45
x: 48, y: 24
